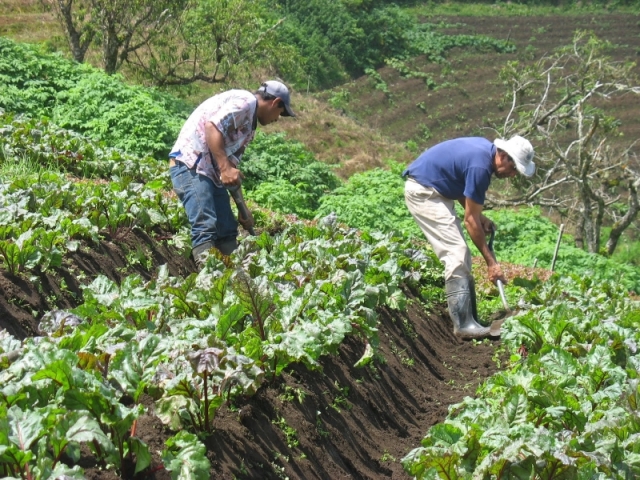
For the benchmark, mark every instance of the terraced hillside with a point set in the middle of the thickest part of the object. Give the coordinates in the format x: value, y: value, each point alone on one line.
x: 469, y: 95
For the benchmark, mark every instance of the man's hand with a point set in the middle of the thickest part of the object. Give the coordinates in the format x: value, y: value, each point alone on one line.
x: 495, y: 274
x: 231, y: 177
x: 487, y: 225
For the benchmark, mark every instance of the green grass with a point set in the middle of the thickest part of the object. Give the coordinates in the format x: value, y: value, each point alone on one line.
x: 500, y: 9
x: 20, y: 167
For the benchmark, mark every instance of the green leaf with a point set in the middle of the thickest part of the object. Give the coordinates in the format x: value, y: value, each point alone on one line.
x: 60, y: 372
x: 134, y: 367
x: 25, y: 427
x: 185, y: 457
x: 75, y: 427
x: 516, y: 406
x: 228, y: 320
x: 141, y: 451
x: 366, y: 357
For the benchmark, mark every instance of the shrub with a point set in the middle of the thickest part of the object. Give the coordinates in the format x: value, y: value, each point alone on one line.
x: 271, y: 162
x: 135, y: 119
x: 82, y: 98
x: 372, y: 200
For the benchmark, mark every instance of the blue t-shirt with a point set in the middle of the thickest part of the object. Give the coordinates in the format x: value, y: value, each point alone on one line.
x: 456, y: 168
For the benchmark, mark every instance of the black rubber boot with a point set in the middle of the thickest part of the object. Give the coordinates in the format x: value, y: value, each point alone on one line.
x: 460, y: 299
x: 227, y: 246
x: 199, y: 253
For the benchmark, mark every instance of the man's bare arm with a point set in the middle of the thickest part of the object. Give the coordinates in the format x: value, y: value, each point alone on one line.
x: 229, y: 174
x: 473, y: 221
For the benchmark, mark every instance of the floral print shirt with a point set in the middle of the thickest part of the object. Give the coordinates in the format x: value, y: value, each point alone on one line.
x: 234, y: 114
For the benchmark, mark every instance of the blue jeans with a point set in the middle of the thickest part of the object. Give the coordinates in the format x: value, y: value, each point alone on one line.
x: 208, y: 207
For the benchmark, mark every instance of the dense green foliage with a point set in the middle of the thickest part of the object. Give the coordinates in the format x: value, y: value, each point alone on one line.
x: 285, y: 176
x: 39, y: 83
x: 199, y: 340
x: 372, y: 200
x: 44, y: 143
x: 192, y: 343
x: 567, y: 404
x: 341, y: 40
x: 526, y: 236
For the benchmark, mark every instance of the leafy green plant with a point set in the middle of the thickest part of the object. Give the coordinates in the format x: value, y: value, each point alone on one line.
x: 84, y: 99
x: 184, y: 456
x: 372, y: 200
x: 290, y: 434
x: 285, y: 176
x: 134, y: 119
x: 567, y: 399
x: 21, y: 254
x: 196, y: 402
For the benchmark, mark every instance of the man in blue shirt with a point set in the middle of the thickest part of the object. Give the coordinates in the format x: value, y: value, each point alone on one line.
x: 461, y: 170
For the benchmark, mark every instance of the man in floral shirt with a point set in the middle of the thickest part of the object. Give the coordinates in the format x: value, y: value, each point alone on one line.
x: 204, y: 161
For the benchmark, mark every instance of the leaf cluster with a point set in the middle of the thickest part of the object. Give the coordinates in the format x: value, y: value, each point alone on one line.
x: 191, y: 344
x: 341, y: 39
x: 567, y: 406
x: 372, y: 200
x: 284, y: 176
x: 135, y: 119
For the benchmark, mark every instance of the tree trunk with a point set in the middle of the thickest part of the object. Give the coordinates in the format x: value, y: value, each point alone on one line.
x: 77, y: 44
x: 620, y: 226
x: 579, y: 238
x: 588, y: 225
x: 110, y: 49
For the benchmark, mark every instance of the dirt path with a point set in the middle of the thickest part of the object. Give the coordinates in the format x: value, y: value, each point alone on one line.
x: 337, y: 422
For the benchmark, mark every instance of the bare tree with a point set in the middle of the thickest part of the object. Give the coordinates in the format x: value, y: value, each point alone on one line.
x: 209, y: 42
x: 560, y: 104
x: 75, y: 20
x: 121, y: 27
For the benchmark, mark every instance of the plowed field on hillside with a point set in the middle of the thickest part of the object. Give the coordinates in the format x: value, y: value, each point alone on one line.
x: 474, y: 99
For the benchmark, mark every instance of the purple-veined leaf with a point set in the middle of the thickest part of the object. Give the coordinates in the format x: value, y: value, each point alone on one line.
x: 207, y: 360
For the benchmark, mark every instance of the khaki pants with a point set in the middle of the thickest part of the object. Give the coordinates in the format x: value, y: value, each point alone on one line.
x: 436, y: 217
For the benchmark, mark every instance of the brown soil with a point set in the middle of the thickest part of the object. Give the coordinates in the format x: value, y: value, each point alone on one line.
x: 349, y: 422
x: 474, y: 97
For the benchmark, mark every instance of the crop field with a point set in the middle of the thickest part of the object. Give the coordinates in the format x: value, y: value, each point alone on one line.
x: 321, y: 348
x: 114, y: 259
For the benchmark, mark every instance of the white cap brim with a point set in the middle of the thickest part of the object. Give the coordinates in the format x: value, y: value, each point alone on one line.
x: 526, y: 169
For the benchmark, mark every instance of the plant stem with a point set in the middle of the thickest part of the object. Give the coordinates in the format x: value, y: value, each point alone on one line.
x: 206, y: 403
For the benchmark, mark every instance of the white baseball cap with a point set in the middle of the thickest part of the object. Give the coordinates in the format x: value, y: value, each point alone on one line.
x: 521, y: 151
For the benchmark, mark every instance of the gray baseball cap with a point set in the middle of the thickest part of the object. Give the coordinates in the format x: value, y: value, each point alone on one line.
x: 279, y: 90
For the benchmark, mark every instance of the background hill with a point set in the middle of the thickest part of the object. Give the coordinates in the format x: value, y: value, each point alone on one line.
x: 467, y: 96
x: 394, y: 114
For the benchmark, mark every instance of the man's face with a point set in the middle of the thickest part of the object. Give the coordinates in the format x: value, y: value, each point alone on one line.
x: 505, y: 166
x: 272, y: 112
